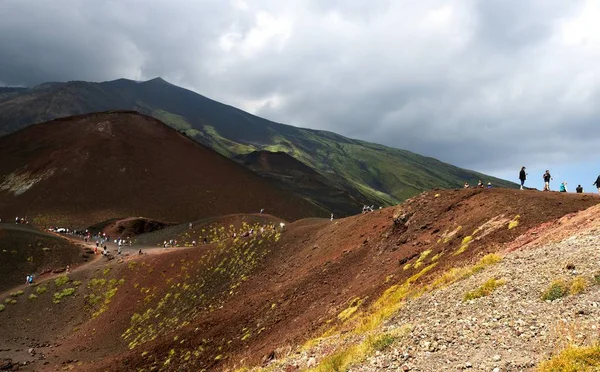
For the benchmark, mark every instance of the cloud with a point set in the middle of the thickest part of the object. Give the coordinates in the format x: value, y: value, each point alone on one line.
x: 484, y: 84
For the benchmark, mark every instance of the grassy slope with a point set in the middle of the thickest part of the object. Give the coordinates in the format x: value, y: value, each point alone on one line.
x: 382, y: 174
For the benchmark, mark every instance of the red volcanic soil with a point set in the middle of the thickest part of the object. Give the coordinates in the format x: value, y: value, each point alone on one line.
x: 128, y: 227
x: 230, y: 303
x: 89, y: 168
x: 24, y: 251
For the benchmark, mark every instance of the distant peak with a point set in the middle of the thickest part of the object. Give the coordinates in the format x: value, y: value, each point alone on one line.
x: 157, y: 80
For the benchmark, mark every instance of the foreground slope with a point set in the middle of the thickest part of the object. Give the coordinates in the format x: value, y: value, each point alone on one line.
x: 89, y: 168
x: 382, y: 174
x: 251, y: 299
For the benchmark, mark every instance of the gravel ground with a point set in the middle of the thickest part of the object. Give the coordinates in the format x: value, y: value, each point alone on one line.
x: 510, y: 330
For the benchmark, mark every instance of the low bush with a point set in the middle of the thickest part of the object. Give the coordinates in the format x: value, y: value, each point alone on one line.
x: 557, y: 289
x: 485, y: 289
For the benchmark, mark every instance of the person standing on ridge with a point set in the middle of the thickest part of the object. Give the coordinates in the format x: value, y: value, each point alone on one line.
x: 579, y: 189
x: 597, y: 183
x: 547, y: 178
x: 522, y: 177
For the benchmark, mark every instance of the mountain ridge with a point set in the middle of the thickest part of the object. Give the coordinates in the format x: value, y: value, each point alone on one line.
x: 383, y: 175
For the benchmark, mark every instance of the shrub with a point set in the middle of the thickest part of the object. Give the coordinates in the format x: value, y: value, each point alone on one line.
x: 485, y: 289
x: 557, y: 289
x: 578, y: 285
x: 597, y: 278
x: 61, y: 280
x: 514, y: 223
x: 41, y: 290
x: 574, y: 359
x: 16, y: 294
x: 383, y: 342
x: 2, y: 307
x: 64, y: 293
x: 32, y: 296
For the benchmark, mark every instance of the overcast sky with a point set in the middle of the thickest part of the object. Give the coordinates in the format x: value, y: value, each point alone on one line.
x: 488, y: 85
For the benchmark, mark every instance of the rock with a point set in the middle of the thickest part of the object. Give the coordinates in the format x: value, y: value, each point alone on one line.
x: 496, y: 369
x: 31, y: 351
x: 6, y: 364
x: 312, y: 362
x: 497, y: 358
x: 405, y: 367
x: 468, y: 365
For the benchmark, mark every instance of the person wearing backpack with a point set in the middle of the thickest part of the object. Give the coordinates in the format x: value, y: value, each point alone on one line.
x: 547, y: 178
x: 522, y: 177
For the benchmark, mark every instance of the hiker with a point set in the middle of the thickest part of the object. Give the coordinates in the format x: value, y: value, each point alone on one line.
x: 579, y: 189
x: 96, y: 250
x: 262, y: 210
x: 190, y: 225
x: 205, y: 240
x: 140, y: 252
x: 597, y: 183
x: 30, y: 279
x: 67, y: 271
x: 331, y: 217
x: 480, y: 184
x: 466, y: 186
x: 522, y: 177
x: 563, y: 186
x: 547, y: 178
x: 489, y: 186
x: 27, y: 280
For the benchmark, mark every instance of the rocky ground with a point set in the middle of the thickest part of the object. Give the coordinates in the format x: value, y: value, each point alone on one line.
x: 512, y: 329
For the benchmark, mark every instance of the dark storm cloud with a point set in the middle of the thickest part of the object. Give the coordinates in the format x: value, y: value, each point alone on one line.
x: 485, y: 84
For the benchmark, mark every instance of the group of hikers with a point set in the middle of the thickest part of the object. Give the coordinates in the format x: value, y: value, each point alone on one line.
x: 547, y: 177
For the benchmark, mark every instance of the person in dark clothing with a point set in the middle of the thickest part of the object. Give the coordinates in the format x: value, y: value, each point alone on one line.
x: 522, y: 177
x: 547, y: 177
x: 597, y: 183
x: 579, y: 189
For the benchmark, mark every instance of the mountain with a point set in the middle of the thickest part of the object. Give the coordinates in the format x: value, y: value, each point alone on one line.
x: 95, y: 167
x: 296, y: 176
x: 383, y: 175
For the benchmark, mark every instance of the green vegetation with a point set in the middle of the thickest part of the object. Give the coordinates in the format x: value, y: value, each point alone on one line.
x: 32, y: 296
x: 356, y: 353
x: 61, y: 280
x: 41, y: 290
x: 60, y: 295
x: 557, y: 289
x: 574, y: 359
x: 578, y: 285
x: 16, y: 294
x: 2, y: 307
x: 422, y: 258
x: 485, y: 289
x: 354, y: 304
x: 597, y: 278
x: 514, y: 223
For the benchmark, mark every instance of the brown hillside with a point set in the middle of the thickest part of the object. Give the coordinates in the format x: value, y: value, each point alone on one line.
x: 25, y: 251
x: 232, y: 302
x: 90, y: 168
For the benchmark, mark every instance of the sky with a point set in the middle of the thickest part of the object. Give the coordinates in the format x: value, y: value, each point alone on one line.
x: 489, y: 85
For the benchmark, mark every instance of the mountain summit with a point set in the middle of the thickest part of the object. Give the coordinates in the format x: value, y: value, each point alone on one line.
x: 381, y: 174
